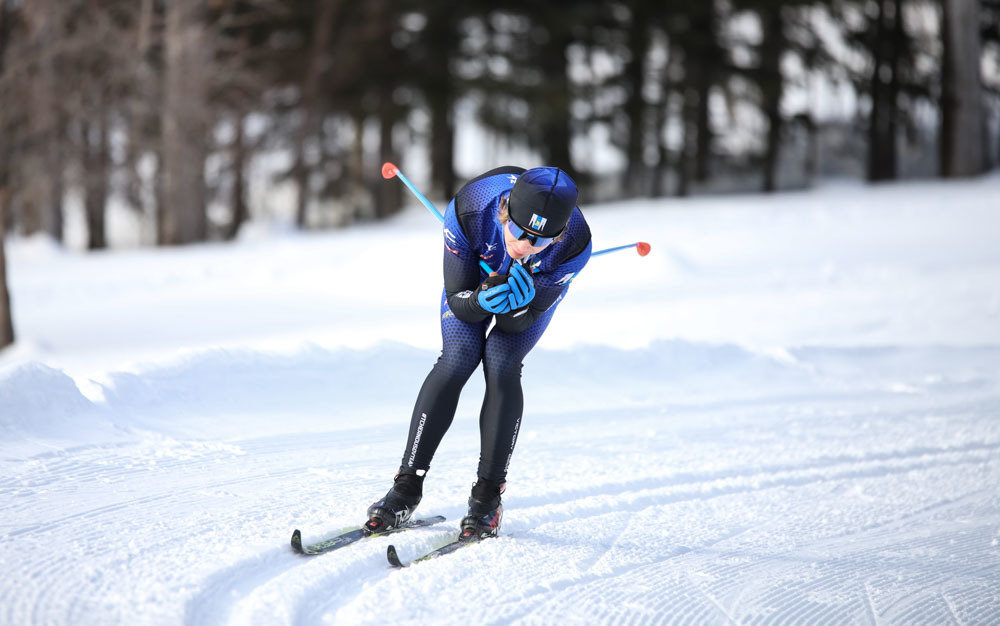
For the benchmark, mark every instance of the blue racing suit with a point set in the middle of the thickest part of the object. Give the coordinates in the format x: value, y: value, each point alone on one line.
x: 473, y: 232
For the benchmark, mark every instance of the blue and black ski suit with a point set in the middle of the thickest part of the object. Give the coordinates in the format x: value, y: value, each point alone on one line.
x: 473, y: 232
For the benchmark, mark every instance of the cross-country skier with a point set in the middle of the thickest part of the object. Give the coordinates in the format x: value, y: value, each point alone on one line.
x: 526, y: 226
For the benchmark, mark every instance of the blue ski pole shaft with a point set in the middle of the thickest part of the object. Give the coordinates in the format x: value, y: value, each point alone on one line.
x: 639, y: 244
x: 389, y: 171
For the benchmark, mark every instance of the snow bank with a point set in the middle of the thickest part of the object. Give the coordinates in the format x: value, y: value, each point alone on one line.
x: 37, y: 400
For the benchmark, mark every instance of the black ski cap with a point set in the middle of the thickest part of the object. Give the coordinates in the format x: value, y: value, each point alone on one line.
x: 542, y: 201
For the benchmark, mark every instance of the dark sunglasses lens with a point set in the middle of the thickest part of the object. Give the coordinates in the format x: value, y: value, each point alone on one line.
x: 519, y: 233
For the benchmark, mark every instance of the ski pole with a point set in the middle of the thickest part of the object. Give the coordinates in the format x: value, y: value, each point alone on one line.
x: 640, y: 246
x: 389, y: 170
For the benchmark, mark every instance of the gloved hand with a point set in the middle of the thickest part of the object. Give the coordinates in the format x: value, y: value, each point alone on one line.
x: 494, y: 295
x: 522, y: 286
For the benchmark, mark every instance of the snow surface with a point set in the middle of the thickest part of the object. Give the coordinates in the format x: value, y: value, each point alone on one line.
x: 789, y: 412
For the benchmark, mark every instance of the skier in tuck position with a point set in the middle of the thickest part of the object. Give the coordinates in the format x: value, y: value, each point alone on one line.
x: 525, y: 225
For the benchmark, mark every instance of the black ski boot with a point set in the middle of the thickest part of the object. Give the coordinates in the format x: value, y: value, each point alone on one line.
x: 398, y: 504
x: 485, y: 511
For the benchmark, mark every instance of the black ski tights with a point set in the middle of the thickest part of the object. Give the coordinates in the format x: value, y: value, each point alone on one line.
x: 465, y: 346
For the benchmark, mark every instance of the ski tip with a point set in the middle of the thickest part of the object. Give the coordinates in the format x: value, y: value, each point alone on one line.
x: 393, y: 558
x: 297, y: 541
x: 642, y: 248
x: 389, y: 170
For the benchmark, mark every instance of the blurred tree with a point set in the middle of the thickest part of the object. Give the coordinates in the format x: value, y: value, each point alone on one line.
x: 6, y: 319
x: 639, y: 33
x: 787, y: 29
x: 167, y: 104
x: 990, y: 33
x: 771, y: 81
x: 705, y: 63
x: 6, y: 147
x: 433, y: 55
x: 961, y: 90
x: 525, y: 74
x: 95, y: 78
x: 187, y: 56
x: 899, y: 72
x: 317, y: 63
x: 886, y: 46
x: 37, y: 175
x: 558, y: 25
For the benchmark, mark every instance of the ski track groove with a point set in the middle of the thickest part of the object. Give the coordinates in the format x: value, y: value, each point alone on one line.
x: 683, y: 491
x: 830, y: 577
x: 712, y: 600
x: 218, y: 595
x: 951, y: 608
x: 580, y: 585
x: 870, y: 604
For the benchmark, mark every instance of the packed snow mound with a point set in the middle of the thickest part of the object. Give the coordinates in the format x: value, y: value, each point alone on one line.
x: 249, y: 392
x: 39, y: 400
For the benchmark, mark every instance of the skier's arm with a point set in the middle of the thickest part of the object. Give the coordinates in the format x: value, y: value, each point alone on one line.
x: 461, y: 271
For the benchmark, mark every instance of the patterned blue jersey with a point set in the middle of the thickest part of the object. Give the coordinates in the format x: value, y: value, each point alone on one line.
x: 473, y: 232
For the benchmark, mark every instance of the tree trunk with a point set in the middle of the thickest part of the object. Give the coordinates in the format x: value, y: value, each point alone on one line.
x: 40, y: 160
x: 51, y: 151
x: 388, y: 198
x: 556, y: 128
x: 184, y: 124
x: 682, y: 163
x: 443, y: 144
x: 772, y: 89
x: 703, y: 126
x: 359, y: 197
x: 238, y: 202
x: 96, y: 161
x: 961, y: 91
x: 442, y: 38
x: 309, y: 105
x: 6, y: 320
x: 883, y: 119
x: 658, y: 184
x: 635, y: 106
x: 705, y: 64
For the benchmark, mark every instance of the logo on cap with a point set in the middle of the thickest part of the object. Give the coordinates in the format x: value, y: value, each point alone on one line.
x: 537, y: 222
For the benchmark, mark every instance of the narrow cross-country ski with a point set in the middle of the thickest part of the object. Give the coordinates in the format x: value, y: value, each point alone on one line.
x: 448, y: 548
x: 357, y: 534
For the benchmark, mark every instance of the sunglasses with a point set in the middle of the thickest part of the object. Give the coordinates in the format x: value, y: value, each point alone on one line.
x: 519, y: 233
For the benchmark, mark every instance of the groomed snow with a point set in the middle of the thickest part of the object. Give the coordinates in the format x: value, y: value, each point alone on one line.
x: 789, y: 412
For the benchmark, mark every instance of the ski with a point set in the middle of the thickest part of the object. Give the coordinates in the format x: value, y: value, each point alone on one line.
x: 356, y: 534
x: 448, y: 548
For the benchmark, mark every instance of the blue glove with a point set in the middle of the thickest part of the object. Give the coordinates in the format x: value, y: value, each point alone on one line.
x: 494, y: 295
x: 522, y: 286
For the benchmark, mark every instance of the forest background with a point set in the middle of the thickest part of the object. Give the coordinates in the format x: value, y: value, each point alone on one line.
x: 180, y: 120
